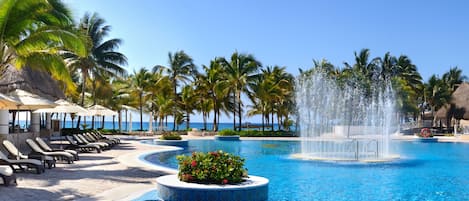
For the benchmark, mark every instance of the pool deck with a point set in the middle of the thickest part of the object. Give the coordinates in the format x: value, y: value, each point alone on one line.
x: 117, y: 174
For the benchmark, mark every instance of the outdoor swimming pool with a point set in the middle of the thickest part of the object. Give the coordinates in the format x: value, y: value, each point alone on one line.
x: 426, y: 171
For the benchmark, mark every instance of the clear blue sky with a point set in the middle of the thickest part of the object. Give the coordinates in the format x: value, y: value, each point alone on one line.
x: 434, y: 34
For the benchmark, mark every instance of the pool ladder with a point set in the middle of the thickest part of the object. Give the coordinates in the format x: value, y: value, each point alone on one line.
x: 354, y: 146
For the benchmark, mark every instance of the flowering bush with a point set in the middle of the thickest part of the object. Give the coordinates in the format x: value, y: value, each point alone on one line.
x: 170, y: 136
x: 425, y: 132
x: 215, y: 167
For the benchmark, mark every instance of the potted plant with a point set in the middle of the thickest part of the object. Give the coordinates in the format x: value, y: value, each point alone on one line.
x: 215, y: 167
x: 227, y: 135
x: 170, y: 136
x: 171, y: 139
x: 210, y: 176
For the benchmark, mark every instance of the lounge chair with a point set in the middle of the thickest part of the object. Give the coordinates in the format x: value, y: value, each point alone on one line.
x: 81, y: 147
x: 82, y: 140
x: 14, y: 153
x: 99, y: 135
x: 92, y: 138
x: 46, y: 147
x: 22, y: 164
x: 9, y: 178
x: 61, y: 155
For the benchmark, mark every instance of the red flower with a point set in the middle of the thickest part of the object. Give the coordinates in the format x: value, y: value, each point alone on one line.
x: 225, y: 181
x: 193, y: 163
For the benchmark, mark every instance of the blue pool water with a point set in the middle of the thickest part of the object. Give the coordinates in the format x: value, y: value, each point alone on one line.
x: 426, y: 171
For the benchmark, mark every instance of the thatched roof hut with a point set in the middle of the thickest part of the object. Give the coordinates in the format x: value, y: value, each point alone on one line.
x: 459, y: 105
x: 37, y: 82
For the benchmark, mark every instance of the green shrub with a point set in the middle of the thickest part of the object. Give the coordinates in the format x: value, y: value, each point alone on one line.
x: 227, y: 132
x: 215, y: 167
x: 170, y: 136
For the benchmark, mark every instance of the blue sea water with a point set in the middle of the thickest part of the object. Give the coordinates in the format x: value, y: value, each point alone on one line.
x: 426, y: 171
x: 136, y: 125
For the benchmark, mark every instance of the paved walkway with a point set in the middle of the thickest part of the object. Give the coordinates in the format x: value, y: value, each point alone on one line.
x: 104, y: 176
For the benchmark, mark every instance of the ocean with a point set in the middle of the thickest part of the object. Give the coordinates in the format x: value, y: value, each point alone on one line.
x: 136, y: 125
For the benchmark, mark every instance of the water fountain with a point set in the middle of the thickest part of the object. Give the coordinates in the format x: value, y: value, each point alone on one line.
x: 344, y: 121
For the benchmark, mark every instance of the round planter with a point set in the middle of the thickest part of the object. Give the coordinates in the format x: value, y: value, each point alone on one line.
x: 171, y: 189
x: 177, y: 143
x: 227, y: 138
x: 427, y: 139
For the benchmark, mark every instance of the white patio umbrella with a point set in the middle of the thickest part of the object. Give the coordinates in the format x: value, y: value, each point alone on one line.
x: 30, y: 101
x: 7, y: 102
x: 63, y: 106
x: 99, y: 110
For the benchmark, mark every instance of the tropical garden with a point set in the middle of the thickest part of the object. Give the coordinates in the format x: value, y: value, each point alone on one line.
x: 90, y: 70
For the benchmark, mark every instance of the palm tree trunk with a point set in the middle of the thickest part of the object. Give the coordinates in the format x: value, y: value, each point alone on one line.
x: 141, y: 112
x: 119, y: 121
x: 92, y: 122
x: 239, y: 110
x: 215, y: 111
x: 175, y: 101
x: 263, y: 124
x: 218, y: 120
x: 65, y: 116
x: 83, y: 84
x: 204, y: 114
x: 188, y: 120
x: 272, y: 111
x: 279, y: 120
x: 102, y: 122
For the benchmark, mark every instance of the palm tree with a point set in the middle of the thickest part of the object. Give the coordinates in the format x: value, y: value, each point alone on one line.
x: 437, y: 94
x: 261, y: 94
x: 240, y: 70
x: 188, y: 102
x: 32, y: 32
x: 181, y: 69
x: 101, y: 57
x: 364, y: 72
x: 160, y: 95
x: 453, y: 77
x: 214, y: 84
x: 121, y: 96
x: 139, y: 86
x: 408, y: 85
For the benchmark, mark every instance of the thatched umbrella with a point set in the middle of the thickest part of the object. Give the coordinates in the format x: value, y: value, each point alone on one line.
x: 458, y: 107
x: 27, y: 79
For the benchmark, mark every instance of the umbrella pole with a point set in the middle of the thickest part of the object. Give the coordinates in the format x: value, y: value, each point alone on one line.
x: 18, y: 136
